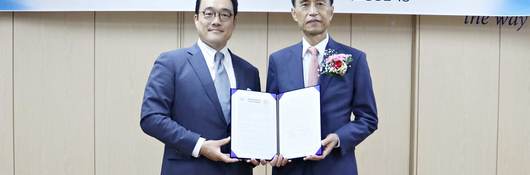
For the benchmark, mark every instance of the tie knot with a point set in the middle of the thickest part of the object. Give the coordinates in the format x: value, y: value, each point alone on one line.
x: 218, y: 58
x: 313, y: 51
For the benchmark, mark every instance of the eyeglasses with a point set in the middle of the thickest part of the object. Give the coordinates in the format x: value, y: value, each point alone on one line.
x: 224, y: 15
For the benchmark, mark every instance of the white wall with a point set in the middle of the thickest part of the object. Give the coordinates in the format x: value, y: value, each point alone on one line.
x: 6, y: 94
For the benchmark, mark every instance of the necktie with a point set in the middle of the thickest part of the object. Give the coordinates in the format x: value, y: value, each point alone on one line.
x: 313, y: 68
x: 222, y: 85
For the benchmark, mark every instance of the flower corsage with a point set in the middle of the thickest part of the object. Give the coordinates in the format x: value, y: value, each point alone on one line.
x: 335, y: 64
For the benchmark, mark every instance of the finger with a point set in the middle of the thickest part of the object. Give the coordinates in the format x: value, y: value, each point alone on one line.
x: 273, y: 161
x: 326, y: 141
x: 224, y: 141
x: 263, y: 162
x: 315, y: 158
x: 279, y: 161
x: 327, y: 150
x: 284, y: 162
x: 253, y: 162
x: 307, y: 157
x: 318, y: 157
x: 226, y: 158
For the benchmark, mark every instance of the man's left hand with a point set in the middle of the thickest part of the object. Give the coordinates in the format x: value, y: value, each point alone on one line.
x: 328, y: 143
x: 256, y: 162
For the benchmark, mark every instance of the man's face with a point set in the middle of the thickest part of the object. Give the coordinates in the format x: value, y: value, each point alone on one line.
x: 215, y: 22
x: 312, y: 16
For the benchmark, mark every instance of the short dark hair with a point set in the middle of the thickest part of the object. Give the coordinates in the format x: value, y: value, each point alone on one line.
x: 293, y: 1
x: 198, y: 5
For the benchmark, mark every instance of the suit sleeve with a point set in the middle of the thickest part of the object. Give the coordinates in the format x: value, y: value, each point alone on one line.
x: 156, y: 109
x: 272, y: 82
x: 363, y: 107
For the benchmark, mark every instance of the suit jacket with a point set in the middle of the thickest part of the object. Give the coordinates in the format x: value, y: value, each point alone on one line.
x: 340, y: 97
x: 180, y: 105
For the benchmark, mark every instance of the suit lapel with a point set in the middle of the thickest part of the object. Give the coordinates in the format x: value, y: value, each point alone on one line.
x: 238, y: 71
x: 296, y: 67
x: 324, y: 80
x: 201, y: 69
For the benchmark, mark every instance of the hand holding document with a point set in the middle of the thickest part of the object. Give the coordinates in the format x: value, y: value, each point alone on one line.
x: 265, y: 125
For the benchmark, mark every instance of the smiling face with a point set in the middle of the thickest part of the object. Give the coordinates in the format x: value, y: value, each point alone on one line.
x: 313, y: 16
x: 215, y: 22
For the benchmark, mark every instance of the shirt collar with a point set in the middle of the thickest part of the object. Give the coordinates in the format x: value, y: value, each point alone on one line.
x: 209, y: 52
x: 321, y: 46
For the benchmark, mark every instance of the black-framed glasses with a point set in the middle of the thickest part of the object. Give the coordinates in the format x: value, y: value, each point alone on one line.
x: 224, y: 15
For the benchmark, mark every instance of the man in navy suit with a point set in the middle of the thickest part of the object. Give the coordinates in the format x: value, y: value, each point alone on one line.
x: 299, y: 66
x: 186, y: 103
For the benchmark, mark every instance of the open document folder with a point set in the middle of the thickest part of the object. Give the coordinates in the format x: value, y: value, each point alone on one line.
x: 265, y: 124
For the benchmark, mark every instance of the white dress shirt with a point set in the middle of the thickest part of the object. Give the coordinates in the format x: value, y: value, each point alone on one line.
x: 209, y: 56
x: 321, y: 47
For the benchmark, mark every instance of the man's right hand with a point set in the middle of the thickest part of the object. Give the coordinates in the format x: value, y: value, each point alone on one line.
x: 279, y: 161
x: 211, y: 149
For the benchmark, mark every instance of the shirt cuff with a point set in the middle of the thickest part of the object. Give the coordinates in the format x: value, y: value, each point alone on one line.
x: 197, y: 147
x: 338, y: 142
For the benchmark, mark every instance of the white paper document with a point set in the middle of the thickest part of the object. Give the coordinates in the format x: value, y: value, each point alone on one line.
x: 265, y: 124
